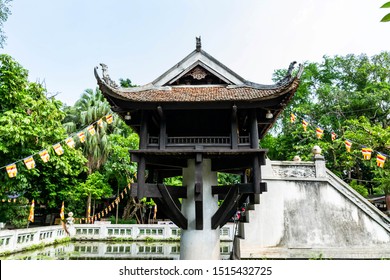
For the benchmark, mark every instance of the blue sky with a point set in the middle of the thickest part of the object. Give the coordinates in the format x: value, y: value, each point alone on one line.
x: 61, y: 41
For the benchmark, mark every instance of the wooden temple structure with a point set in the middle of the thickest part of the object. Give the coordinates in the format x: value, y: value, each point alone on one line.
x: 197, y: 111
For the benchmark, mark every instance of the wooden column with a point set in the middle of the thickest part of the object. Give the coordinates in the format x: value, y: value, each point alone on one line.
x: 198, y: 192
x: 163, y: 128
x: 143, y: 143
x: 254, y: 130
x: 143, y: 135
x: 234, y: 128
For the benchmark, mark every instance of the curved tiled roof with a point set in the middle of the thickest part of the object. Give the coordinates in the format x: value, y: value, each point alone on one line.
x: 213, y: 93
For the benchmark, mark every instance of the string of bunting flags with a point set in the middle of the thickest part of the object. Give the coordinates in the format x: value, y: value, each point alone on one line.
x: 105, y: 211
x: 366, y: 151
x: 29, y: 161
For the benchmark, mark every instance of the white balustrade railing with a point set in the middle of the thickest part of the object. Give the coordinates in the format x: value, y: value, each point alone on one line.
x: 19, y: 239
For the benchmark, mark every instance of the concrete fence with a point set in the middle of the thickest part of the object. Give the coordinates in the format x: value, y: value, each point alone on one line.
x: 20, y: 239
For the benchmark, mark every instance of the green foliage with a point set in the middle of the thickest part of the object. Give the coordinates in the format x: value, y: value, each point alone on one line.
x: 4, y: 13
x: 228, y: 179
x: 29, y: 123
x: 126, y: 83
x: 349, y: 95
x: 361, y: 189
x: 386, y: 18
x: 122, y: 221
x: 174, y: 181
x: 15, y: 214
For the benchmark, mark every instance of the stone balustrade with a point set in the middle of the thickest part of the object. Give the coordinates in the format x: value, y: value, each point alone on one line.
x: 20, y: 239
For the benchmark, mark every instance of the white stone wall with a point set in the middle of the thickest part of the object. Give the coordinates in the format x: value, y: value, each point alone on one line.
x: 302, y: 212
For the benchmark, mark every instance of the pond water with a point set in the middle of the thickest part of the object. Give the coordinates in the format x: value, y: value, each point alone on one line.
x: 90, y: 250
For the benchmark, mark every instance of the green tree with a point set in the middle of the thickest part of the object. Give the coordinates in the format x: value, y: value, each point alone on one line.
x: 29, y: 123
x: 4, y: 13
x: 87, y: 110
x: 348, y: 95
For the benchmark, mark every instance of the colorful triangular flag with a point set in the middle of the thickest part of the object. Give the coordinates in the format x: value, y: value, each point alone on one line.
x: 62, y: 212
x: 304, y: 124
x: 348, y: 145
x: 44, y: 155
x: 292, y: 118
x: 70, y: 142
x: 366, y: 153
x: 58, y: 149
x: 12, y: 170
x: 334, y: 136
x: 29, y: 162
x: 91, y: 130
x: 31, y: 215
x: 380, y: 160
x: 109, y: 118
x: 81, y: 136
x: 319, y: 132
x: 100, y: 123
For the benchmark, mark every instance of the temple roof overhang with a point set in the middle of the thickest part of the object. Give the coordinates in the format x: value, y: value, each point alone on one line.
x: 198, y: 78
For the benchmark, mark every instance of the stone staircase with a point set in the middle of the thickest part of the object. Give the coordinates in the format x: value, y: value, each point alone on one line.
x: 309, y: 213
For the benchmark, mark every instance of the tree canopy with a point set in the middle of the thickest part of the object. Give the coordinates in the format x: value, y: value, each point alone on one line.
x: 4, y: 13
x: 349, y: 96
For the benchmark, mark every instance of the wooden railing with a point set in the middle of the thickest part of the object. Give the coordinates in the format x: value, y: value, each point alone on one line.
x: 199, y: 140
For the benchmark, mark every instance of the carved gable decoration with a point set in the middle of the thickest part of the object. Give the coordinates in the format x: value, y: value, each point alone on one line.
x: 198, y: 76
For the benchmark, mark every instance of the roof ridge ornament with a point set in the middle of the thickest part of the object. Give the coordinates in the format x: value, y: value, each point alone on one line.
x: 198, y: 44
x: 106, y: 77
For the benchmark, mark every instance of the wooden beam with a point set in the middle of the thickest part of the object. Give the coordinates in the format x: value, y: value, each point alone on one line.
x: 177, y: 217
x: 222, y: 215
x: 152, y: 191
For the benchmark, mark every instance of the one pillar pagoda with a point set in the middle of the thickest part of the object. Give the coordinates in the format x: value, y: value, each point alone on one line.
x: 197, y: 119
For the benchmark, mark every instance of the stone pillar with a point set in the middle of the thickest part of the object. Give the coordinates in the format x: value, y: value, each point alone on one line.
x: 319, y: 162
x: 199, y: 244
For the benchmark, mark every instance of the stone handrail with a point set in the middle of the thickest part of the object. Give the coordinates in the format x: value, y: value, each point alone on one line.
x: 20, y: 239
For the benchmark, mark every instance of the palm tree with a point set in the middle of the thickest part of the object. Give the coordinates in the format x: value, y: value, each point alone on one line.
x: 90, y: 108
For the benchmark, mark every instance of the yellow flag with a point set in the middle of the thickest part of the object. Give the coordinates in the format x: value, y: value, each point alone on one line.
x: 44, y: 155
x: 70, y: 142
x: 62, y: 212
x: 31, y: 215
x: 348, y: 145
x: 91, y: 130
x: 155, y: 212
x: 29, y: 162
x: 100, y: 123
x: 366, y: 153
x: 58, y: 148
x: 81, y: 136
x: 109, y: 119
x: 11, y: 170
x: 380, y: 160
